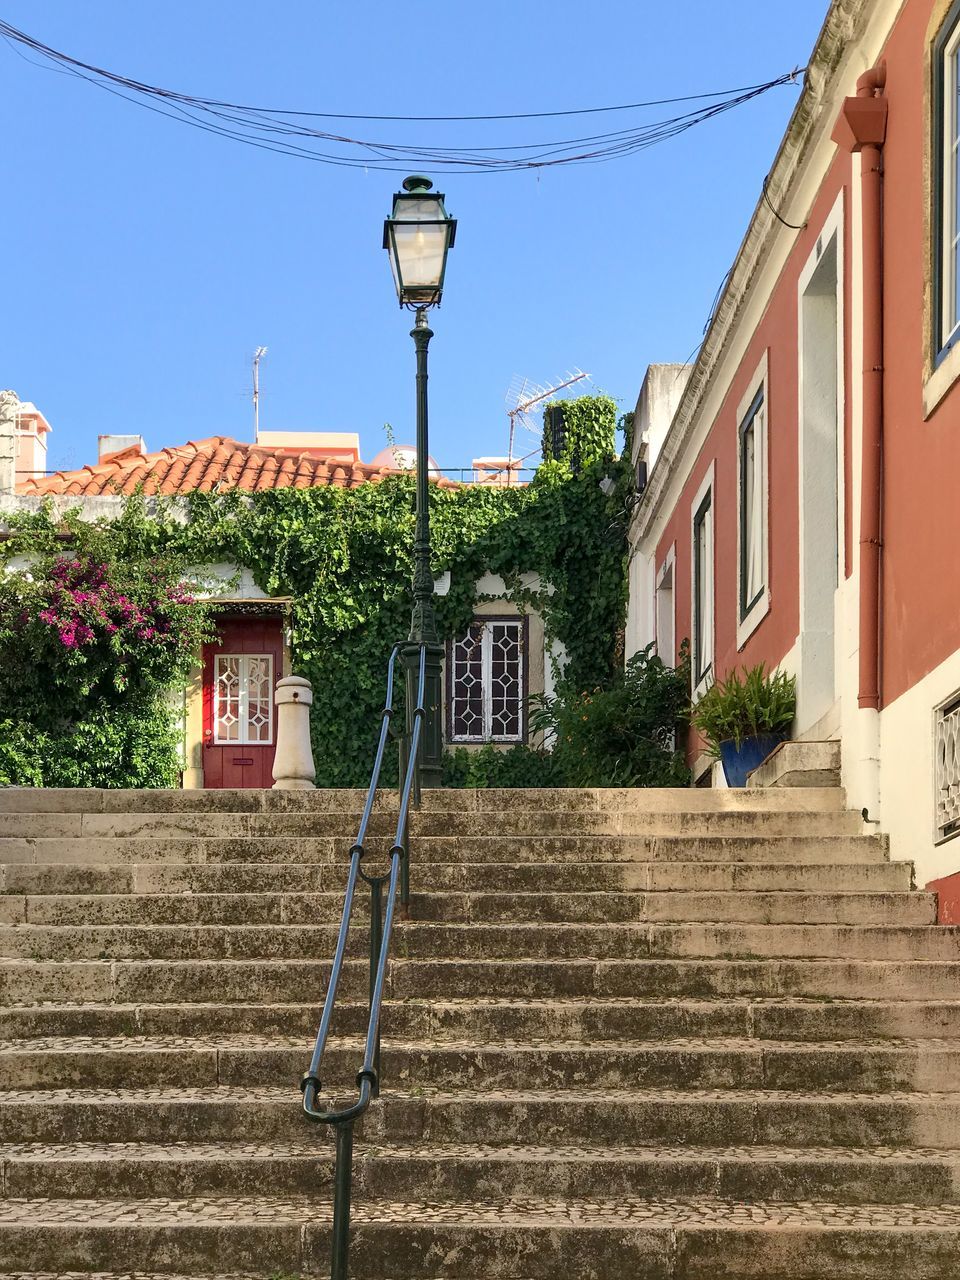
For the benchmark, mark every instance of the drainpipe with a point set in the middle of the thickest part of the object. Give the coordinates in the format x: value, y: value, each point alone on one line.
x: 862, y: 127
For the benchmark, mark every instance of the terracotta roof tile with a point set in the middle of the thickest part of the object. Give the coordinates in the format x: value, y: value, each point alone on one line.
x: 213, y: 465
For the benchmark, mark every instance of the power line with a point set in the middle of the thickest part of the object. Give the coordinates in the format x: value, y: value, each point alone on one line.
x: 287, y: 132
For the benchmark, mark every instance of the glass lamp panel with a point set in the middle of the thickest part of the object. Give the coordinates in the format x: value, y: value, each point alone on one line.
x: 420, y: 250
x: 426, y: 209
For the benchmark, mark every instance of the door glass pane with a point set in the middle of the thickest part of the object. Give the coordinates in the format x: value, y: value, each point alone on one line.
x: 227, y: 698
x: 259, y: 672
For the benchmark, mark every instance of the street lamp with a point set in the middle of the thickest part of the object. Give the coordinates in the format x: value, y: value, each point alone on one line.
x: 418, y: 236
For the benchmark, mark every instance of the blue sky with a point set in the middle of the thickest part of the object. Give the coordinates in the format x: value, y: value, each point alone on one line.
x: 144, y: 261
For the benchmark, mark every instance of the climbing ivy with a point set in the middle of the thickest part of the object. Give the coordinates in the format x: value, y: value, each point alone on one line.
x: 577, y: 432
x: 343, y: 556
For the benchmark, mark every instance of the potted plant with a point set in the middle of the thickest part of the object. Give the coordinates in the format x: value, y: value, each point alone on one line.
x: 746, y: 716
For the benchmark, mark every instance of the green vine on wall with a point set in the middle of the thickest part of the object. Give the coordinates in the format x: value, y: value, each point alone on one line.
x: 344, y: 558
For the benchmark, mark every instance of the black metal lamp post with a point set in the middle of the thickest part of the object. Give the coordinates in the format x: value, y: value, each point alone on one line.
x: 417, y: 236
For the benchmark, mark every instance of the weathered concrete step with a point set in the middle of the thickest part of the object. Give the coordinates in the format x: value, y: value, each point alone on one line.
x: 462, y: 1173
x: 282, y: 981
x: 476, y: 941
x: 684, y: 1239
x: 799, y: 764
x: 492, y: 849
x: 751, y: 823
x: 684, y: 1063
x: 498, y: 1020
x: 593, y: 908
x: 661, y: 1117
x: 19, y: 879
x: 585, y: 800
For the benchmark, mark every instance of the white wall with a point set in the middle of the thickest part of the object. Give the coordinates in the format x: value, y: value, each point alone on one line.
x: 907, y: 774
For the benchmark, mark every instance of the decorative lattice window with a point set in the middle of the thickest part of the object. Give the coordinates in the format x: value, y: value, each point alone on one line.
x: 243, y: 699
x: 947, y: 769
x: 486, y: 668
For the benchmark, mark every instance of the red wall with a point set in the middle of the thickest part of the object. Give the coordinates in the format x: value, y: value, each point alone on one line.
x: 921, y: 500
x: 921, y: 510
x: 777, y: 334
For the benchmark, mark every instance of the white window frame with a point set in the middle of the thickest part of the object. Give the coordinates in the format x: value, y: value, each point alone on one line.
x: 759, y: 386
x: 948, y: 322
x: 667, y: 569
x: 949, y: 706
x: 486, y: 682
x: 701, y: 680
x: 243, y: 740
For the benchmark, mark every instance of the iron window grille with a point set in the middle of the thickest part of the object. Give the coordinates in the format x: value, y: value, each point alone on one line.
x: 946, y: 171
x: 487, y: 684
x: 752, y: 550
x: 243, y: 699
x: 947, y: 769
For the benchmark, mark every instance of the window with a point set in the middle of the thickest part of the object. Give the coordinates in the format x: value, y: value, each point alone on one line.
x: 703, y: 589
x: 753, y: 551
x: 947, y: 174
x: 665, y: 630
x: 243, y: 699
x: 947, y: 769
x: 486, y: 682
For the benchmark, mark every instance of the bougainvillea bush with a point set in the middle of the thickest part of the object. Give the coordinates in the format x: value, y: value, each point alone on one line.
x: 90, y: 648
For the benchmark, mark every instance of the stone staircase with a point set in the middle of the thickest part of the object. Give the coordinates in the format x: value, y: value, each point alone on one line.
x: 641, y: 1035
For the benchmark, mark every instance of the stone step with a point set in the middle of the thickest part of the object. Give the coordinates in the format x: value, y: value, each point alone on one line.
x: 494, y: 801
x: 140, y: 1170
x: 490, y: 849
x: 700, y: 1238
x: 476, y: 941
x: 280, y: 981
x: 463, y: 877
x: 509, y: 824
x: 683, y: 1063
x: 688, y: 1118
x: 487, y: 908
x: 491, y: 1019
x: 799, y: 764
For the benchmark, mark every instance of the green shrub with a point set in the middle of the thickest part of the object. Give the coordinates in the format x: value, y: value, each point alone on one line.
x: 746, y: 703
x: 122, y: 747
x: 624, y: 735
x: 518, y: 766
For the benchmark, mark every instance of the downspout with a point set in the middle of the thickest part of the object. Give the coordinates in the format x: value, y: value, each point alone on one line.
x: 862, y: 126
x: 871, y: 482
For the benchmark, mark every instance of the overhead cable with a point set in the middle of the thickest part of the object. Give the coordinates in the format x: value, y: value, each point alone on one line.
x: 289, y: 132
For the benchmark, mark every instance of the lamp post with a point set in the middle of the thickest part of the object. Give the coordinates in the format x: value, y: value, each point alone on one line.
x: 417, y: 237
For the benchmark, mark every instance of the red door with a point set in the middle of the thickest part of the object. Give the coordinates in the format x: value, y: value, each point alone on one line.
x: 240, y: 672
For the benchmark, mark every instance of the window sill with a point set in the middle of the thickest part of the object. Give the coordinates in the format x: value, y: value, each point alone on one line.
x: 748, y: 626
x: 940, y: 381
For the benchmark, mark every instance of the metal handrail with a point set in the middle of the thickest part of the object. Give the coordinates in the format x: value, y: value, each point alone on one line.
x: 381, y: 929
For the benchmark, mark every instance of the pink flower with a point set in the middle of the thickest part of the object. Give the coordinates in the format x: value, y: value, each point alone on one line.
x: 48, y: 616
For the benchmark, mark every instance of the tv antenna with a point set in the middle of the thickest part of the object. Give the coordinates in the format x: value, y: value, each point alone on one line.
x: 524, y: 395
x: 257, y: 357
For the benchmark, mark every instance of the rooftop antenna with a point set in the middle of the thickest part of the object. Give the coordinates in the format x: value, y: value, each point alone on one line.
x: 523, y: 395
x: 257, y: 357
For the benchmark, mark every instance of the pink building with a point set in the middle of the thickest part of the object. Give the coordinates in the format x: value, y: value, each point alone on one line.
x: 802, y: 505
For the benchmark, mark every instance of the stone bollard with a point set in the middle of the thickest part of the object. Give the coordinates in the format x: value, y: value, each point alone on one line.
x: 293, y: 768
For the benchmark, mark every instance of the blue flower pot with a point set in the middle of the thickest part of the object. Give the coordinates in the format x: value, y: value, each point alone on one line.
x: 738, y: 762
